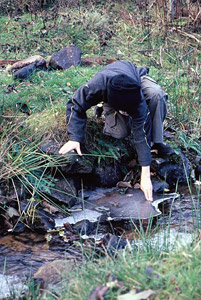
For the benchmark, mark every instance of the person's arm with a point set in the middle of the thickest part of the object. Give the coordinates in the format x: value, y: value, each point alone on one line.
x: 145, y: 183
x: 142, y: 139
x: 86, y: 96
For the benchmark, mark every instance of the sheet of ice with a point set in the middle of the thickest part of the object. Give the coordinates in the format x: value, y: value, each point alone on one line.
x: 86, y: 214
x: 11, y: 284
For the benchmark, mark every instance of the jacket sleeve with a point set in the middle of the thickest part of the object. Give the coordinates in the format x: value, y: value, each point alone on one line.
x: 86, y: 96
x: 141, y: 138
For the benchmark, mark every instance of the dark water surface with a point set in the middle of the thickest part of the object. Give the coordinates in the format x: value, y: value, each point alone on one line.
x: 22, y: 254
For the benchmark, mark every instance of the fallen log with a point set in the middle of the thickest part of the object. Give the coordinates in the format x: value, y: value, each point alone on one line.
x: 86, y: 61
x: 89, y: 61
x: 5, y: 62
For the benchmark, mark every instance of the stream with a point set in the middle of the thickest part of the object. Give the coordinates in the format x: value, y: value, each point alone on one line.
x: 22, y: 254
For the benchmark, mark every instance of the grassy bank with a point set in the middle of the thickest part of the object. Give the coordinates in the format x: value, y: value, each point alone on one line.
x: 123, y: 30
x: 169, y: 275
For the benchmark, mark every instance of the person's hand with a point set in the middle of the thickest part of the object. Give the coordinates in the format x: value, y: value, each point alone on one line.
x: 146, y: 184
x: 69, y: 146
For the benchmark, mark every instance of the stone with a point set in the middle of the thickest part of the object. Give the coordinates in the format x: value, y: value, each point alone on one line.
x: 90, y: 61
x: 112, y: 243
x: 75, y: 164
x: 173, y: 170
x: 25, y: 72
x: 84, y: 227
x: 64, y: 192
x: 65, y: 58
x: 106, y: 176
x: 53, y: 272
x: 198, y: 172
x: 159, y: 186
x: 70, y: 163
x: 50, y: 147
x: 91, y: 215
x: 37, y: 60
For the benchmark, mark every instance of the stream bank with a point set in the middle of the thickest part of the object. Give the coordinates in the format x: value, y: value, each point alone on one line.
x: 23, y: 255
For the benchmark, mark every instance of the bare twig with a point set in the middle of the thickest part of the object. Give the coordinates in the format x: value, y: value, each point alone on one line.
x: 189, y: 35
x: 189, y: 52
x: 156, y: 49
x: 5, y: 62
x: 146, y: 36
x: 161, y: 56
x: 197, y: 16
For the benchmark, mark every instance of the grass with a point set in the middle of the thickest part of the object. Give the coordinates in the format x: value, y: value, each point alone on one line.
x: 122, y: 31
x: 172, y: 276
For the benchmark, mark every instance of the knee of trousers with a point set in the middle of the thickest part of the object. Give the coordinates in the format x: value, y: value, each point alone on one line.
x: 155, y: 94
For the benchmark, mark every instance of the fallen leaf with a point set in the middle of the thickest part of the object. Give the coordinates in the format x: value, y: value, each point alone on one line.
x: 132, y: 295
x: 136, y: 186
x: 51, y: 208
x: 123, y: 184
x: 12, y: 212
x: 129, y: 176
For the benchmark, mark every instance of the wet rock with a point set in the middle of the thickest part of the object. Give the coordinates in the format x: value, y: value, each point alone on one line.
x: 50, y: 147
x: 54, y: 272
x: 174, y: 169
x: 84, y: 227
x: 75, y: 164
x: 198, y: 173
x: 70, y: 163
x: 106, y: 176
x: 64, y: 192
x: 36, y: 217
x: 37, y: 60
x: 111, y: 243
x: 159, y: 186
x: 65, y: 58
x: 117, y: 206
x: 46, y: 221
x: 19, y: 228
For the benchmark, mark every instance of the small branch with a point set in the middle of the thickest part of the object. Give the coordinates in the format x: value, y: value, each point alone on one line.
x: 156, y: 49
x: 18, y: 201
x: 5, y: 62
x: 189, y: 52
x: 189, y: 35
x: 197, y: 16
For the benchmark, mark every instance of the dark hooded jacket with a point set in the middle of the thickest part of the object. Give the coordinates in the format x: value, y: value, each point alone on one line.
x: 96, y: 91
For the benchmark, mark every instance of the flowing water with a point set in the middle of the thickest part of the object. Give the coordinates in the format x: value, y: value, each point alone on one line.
x: 22, y: 254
